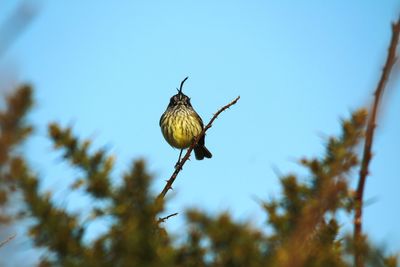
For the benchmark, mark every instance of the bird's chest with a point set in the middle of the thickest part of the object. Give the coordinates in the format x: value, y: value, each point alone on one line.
x: 186, y: 128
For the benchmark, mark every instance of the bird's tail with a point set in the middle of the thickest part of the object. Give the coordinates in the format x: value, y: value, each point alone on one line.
x: 201, y: 152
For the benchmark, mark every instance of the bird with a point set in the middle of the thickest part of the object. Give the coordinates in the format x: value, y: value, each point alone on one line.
x: 180, y: 125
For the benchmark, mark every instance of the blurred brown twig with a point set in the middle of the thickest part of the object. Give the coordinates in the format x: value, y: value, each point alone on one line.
x: 8, y: 239
x: 163, y: 219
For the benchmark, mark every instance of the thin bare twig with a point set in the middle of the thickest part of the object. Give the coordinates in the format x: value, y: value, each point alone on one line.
x: 178, y: 168
x: 2, y: 243
x: 390, y: 61
x: 163, y: 219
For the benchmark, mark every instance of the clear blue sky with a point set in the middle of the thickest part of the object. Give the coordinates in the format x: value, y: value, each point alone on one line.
x: 109, y: 70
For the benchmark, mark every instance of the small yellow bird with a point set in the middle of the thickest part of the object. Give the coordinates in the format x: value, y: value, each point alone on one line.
x: 180, y: 124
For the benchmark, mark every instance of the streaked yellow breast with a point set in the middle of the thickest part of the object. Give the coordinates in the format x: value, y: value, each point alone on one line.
x: 181, y: 130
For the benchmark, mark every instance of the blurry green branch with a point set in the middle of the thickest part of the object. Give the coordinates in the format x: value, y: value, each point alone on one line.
x: 390, y: 61
x: 220, y: 241
x: 180, y: 164
x: 53, y: 228
x: 13, y: 131
x: 134, y: 231
x: 304, y: 219
x: 96, y: 167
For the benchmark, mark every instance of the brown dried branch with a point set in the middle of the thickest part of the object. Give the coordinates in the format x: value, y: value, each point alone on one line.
x: 163, y: 219
x: 390, y: 61
x: 2, y: 243
x: 178, y: 168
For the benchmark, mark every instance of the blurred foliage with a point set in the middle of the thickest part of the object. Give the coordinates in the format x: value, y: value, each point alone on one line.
x: 13, y: 131
x: 304, y: 219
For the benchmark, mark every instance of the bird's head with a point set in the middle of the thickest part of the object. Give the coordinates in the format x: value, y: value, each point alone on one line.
x: 180, y: 98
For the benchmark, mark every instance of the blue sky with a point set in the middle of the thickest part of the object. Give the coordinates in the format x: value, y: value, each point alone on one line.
x: 109, y: 70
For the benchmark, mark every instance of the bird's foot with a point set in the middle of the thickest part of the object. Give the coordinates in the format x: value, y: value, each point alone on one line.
x: 177, y: 165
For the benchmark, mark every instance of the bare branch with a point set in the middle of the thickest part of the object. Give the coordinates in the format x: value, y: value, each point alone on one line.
x: 390, y: 61
x: 163, y: 219
x: 2, y: 243
x: 178, y: 168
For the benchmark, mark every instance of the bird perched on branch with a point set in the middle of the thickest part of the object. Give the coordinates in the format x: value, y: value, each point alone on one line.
x: 180, y: 124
